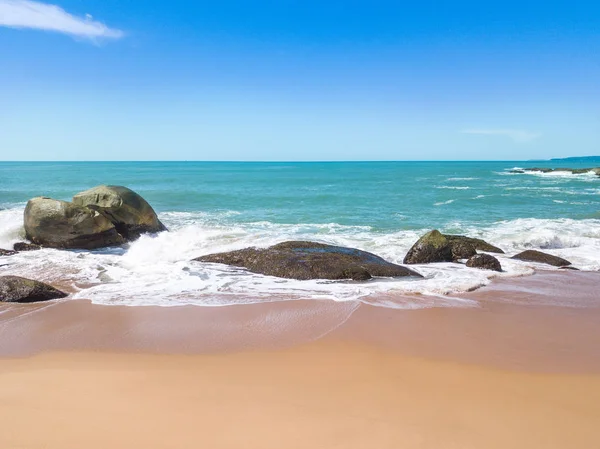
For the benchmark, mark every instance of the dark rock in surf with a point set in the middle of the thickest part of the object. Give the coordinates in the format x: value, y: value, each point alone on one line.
x: 432, y: 247
x: 478, y: 244
x: 310, y: 260
x: 6, y: 252
x: 462, y: 249
x: 23, y: 246
x: 484, y: 262
x: 131, y: 214
x: 537, y: 256
x: 18, y: 289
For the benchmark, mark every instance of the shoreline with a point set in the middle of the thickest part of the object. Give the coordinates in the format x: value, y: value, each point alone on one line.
x: 512, y: 372
x: 545, y: 323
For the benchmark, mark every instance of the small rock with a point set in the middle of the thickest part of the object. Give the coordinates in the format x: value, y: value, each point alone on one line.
x: 462, y: 249
x: 6, y: 252
x: 23, y: 246
x: 484, y: 262
x: 18, y: 289
x: 537, y: 256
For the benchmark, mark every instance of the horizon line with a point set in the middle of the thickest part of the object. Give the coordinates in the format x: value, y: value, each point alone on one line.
x: 299, y: 161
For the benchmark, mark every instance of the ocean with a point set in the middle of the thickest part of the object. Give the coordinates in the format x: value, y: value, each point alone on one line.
x: 381, y: 207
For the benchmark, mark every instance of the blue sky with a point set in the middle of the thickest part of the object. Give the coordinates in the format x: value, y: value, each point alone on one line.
x: 298, y: 80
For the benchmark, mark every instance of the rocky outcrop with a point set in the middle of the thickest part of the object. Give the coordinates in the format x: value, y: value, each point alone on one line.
x: 478, y: 244
x: 99, y: 217
x: 23, y: 246
x: 6, y: 252
x: 537, y: 256
x: 60, y: 224
x: 437, y: 247
x: 18, y: 289
x: 310, y: 260
x: 484, y: 262
x: 573, y: 171
x: 131, y: 214
x: 432, y: 247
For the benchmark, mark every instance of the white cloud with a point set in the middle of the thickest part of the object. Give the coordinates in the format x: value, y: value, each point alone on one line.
x: 41, y: 16
x: 517, y: 135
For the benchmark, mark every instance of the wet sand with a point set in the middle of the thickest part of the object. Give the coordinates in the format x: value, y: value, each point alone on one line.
x: 515, y: 370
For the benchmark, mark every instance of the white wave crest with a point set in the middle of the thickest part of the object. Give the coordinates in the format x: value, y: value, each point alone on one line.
x: 158, y: 270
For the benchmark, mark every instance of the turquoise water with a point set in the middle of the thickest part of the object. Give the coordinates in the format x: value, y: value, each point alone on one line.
x: 378, y: 206
x: 384, y: 195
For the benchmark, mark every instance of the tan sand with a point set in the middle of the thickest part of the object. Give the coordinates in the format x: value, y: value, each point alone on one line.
x: 324, y: 395
x: 513, y: 372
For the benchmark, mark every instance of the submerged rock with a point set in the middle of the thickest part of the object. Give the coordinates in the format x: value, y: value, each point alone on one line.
x: 6, y: 252
x: 537, y: 256
x: 478, y: 244
x: 59, y: 224
x: 432, y: 247
x: 18, y: 289
x: 23, y: 246
x: 131, y: 214
x: 484, y: 262
x: 310, y: 260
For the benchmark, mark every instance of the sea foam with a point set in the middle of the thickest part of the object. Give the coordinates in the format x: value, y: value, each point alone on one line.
x: 158, y: 269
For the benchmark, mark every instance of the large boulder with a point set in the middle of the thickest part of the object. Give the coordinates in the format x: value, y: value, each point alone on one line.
x: 484, y: 262
x: 537, y: 256
x: 309, y: 260
x: 478, y: 244
x: 18, y: 289
x: 131, y: 214
x: 59, y: 224
x: 432, y: 247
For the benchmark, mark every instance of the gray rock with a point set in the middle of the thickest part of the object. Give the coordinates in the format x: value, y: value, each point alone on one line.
x: 537, y: 256
x: 6, y: 252
x: 478, y: 244
x: 18, y: 289
x: 462, y: 249
x: 309, y: 260
x: 484, y: 262
x: 23, y: 246
x: 131, y: 214
x: 432, y: 247
x: 59, y: 224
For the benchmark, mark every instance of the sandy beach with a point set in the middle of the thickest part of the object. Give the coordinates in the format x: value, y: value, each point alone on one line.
x: 514, y: 370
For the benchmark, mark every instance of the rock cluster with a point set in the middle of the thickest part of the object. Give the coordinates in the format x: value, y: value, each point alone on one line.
x: 437, y: 247
x: 112, y: 215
